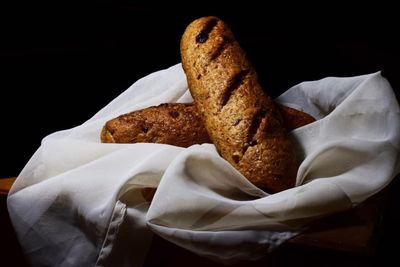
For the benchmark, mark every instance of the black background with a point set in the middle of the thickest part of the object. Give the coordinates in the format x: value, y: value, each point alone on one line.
x: 60, y: 64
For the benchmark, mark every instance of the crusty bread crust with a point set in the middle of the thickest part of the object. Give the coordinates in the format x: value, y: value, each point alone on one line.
x: 174, y: 124
x: 242, y: 121
x: 293, y: 118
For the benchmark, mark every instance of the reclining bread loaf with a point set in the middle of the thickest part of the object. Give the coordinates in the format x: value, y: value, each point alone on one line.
x: 242, y: 121
x: 176, y: 124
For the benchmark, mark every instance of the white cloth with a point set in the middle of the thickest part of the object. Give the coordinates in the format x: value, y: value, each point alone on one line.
x: 77, y: 202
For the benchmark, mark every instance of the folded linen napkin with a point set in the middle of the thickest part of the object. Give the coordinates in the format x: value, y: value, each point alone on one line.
x: 77, y: 202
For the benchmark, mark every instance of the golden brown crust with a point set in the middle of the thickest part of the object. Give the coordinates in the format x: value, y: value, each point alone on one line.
x: 174, y: 124
x: 242, y: 121
x: 293, y: 118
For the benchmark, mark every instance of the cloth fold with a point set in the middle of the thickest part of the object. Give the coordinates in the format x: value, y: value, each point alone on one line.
x: 78, y: 202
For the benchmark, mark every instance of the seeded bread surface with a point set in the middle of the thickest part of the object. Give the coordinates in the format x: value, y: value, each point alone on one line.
x: 242, y: 121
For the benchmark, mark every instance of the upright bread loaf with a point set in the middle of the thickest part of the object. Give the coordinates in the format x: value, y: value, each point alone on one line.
x: 242, y: 121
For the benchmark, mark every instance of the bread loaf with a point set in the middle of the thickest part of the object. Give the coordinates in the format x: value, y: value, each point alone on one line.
x: 242, y: 121
x: 176, y: 124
